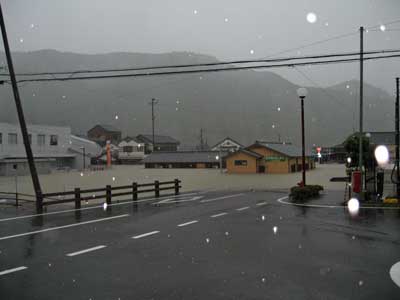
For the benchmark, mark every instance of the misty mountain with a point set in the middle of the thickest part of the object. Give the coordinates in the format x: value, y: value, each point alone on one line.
x: 245, y: 105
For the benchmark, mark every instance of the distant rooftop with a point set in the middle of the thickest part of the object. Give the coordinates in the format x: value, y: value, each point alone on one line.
x: 158, y: 139
x: 286, y: 149
x: 183, y: 157
x: 108, y: 127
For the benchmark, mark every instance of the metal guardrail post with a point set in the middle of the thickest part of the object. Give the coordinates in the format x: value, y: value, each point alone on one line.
x: 108, y: 194
x: 134, y: 191
x: 157, y: 188
x: 77, y: 198
x: 176, y: 186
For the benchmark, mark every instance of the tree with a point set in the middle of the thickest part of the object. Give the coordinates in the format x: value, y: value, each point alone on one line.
x: 351, y: 146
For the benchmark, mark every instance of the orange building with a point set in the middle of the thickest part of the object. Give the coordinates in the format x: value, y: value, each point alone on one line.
x: 271, y: 158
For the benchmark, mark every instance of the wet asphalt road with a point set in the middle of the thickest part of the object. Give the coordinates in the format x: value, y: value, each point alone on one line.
x: 214, y: 245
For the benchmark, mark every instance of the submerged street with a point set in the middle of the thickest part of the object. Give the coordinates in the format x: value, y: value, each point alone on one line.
x: 202, y: 245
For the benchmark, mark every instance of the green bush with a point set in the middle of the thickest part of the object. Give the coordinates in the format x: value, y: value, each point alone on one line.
x: 301, y: 193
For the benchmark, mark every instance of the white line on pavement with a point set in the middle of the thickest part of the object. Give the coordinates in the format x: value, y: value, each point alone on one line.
x: 12, y: 270
x: 187, y: 223
x: 220, y: 198
x: 145, y: 234
x: 261, y: 203
x: 395, y: 273
x: 61, y: 227
x: 86, y: 250
x: 91, y: 207
x: 243, y: 208
x: 219, y: 215
x: 281, y: 200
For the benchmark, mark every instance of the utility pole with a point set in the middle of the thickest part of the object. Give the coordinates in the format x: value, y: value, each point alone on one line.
x: 21, y: 118
x: 152, y: 103
x: 397, y: 140
x: 201, y: 140
x: 360, y: 150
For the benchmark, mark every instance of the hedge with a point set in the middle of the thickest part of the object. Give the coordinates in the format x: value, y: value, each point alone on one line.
x: 301, y: 193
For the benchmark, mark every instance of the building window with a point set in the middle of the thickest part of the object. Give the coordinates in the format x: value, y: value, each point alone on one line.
x: 240, y: 162
x: 41, y: 139
x: 127, y: 149
x: 30, y: 139
x: 53, y: 140
x: 12, y: 139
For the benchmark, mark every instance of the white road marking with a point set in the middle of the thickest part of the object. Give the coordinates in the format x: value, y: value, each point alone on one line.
x: 395, y: 273
x: 261, y: 203
x: 61, y: 227
x: 86, y: 250
x: 219, y: 215
x: 182, y: 199
x: 12, y: 270
x: 243, y: 208
x: 188, y: 223
x: 145, y: 234
x: 280, y: 200
x: 87, y: 208
x: 220, y: 198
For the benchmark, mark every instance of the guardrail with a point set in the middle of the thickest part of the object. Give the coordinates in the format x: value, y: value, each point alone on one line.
x: 78, y: 195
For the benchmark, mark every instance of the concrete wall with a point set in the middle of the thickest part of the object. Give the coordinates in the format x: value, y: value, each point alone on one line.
x: 251, y: 167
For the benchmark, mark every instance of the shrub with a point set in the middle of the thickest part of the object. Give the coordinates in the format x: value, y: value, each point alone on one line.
x: 301, y: 193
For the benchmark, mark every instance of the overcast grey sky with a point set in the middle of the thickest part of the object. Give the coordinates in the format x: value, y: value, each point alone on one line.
x: 227, y: 29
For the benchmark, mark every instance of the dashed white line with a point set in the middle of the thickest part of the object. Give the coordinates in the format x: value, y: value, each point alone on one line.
x: 86, y: 250
x: 187, y: 223
x: 5, y: 272
x: 220, y: 198
x: 219, y: 215
x: 62, y: 227
x: 261, y: 203
x: 243, y: 208
x: 145, y: 234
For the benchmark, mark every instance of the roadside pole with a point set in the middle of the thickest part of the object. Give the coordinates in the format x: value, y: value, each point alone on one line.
x: 21, y: 118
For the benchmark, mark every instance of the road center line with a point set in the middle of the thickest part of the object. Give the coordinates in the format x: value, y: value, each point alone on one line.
x: 220, y: 198
x: 219, y: 215
x: 188, y: 223
x: 86, y: 250
x: 145, y: 234
x: 12, y: 270
x: 243, y: 208
x: 261, y: 203
x: 61, y: 227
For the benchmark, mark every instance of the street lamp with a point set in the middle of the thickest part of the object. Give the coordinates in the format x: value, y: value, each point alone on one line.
x: 302, y: 93
x: 84, y: 157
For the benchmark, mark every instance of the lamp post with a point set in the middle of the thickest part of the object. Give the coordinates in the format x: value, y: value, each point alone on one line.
x: 302, y: 93
x: 84, y: 157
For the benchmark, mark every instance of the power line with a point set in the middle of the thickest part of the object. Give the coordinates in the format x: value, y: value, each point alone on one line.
x: 181, y: 72
x: 281, y: 59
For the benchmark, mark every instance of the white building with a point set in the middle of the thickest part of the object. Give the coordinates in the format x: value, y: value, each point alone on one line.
x: 53, y: 147
x: 130, y: 150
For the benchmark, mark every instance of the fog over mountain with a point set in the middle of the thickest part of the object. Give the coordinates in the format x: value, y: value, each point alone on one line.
x: 245, y: 105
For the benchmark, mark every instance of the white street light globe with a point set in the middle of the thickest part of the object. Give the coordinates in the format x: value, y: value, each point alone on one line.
x: 311, y: 17
x: 353, y: 205
x: 302, y: 92
x: 349, y: 160
x: 217, y: 157
x: 382, y: 155
x: 368, y: 135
